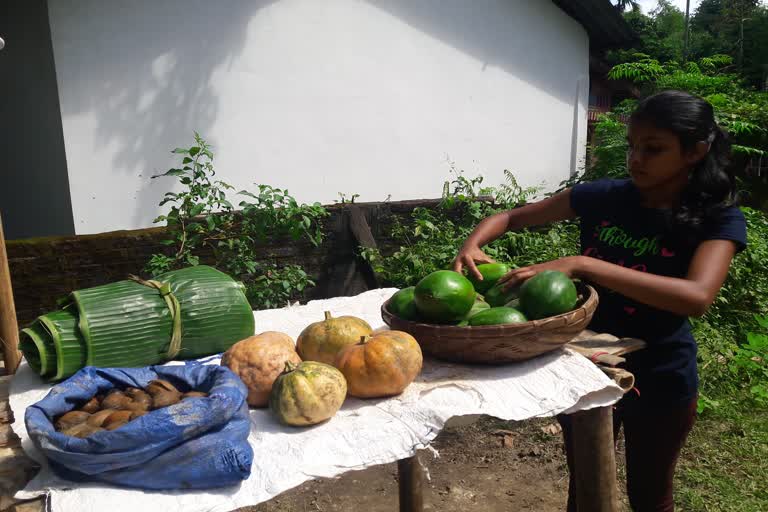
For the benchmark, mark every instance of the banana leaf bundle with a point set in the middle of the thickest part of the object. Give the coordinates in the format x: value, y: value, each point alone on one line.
x: 183, y: 314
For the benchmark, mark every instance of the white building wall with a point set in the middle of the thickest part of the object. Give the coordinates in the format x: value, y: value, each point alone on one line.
x: 317, y: 96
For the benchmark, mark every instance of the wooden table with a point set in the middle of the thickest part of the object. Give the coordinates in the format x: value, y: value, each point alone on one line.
x: 594, y: 447
x: 596, y: 488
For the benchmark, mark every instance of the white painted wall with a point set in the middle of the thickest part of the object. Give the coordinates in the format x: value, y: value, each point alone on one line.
x: 317, y: 96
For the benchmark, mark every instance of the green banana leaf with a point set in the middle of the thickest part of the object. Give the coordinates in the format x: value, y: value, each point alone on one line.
x: 130, y: 324
x: 38, y: 349
x: 61, y: 327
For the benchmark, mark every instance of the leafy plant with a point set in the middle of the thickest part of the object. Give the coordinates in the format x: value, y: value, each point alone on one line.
x: 202, y: 197
x: 751, y: 362
x: 202, y: 221
x: 745, y: 292
x: 433, y: 237
x: 742, y: 112
x: 643, y: 69
x: 275, y: 286
x: 343, y: 199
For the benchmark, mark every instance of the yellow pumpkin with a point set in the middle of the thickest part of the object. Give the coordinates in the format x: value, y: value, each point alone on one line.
x: 258, y: 361
x: 307, y: 393
x: 321, y: 341
x: 382, y: 365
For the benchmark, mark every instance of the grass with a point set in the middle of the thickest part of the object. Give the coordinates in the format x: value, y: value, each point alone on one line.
x: 724, y: 466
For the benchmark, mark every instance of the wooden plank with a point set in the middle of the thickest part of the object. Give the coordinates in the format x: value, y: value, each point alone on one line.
x: 6, y: 415
x: 411, y: 484
x: 16, y: 469
x: 5, y: 384
x: 7, y: 437
x: 37, y: 505
x: 9, y: 329
x: 595, y: 460
x: 360, y: 228
x: 604, y: 348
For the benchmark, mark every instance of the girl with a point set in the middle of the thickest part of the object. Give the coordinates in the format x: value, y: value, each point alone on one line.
x: 657, y: 247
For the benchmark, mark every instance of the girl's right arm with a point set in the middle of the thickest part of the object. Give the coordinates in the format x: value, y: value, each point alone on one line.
x: 552, y: 209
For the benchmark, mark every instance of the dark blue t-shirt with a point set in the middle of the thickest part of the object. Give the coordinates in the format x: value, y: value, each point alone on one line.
x: 615, y: 227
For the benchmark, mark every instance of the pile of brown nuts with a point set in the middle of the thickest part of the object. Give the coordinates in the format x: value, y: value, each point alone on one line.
x: 114, y: 409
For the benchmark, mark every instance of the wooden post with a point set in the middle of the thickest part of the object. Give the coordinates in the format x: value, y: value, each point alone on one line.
x: 9, y: 329
x: 410, y: 482
x: 595, y: 460
x: 364, y: 237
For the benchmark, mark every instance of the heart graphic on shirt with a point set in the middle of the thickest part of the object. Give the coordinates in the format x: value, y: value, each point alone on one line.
x: 630, y: 310
x: 667, y: 253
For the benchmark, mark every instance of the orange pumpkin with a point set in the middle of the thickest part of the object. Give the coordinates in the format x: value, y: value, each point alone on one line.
x: 321, y: 341
x: 258, y: 361
x: 381, y: 365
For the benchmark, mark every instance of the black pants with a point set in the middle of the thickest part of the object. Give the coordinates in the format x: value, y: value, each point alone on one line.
x: 653, y: 440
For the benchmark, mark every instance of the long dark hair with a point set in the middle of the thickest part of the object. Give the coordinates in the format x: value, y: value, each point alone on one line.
x: 711, y: 184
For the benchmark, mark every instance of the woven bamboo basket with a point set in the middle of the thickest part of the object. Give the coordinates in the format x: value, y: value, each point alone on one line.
x: 496, y: 344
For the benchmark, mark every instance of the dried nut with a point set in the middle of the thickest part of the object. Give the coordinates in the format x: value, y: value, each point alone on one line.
x: 75, y: 429
x: 136, y: 407
x: 119, y: 416
x: 116, y: 400
x: 91, y: 406
x: 71, y: 419
x: 118, y: 419
x: 88, y: 431
x: 163, y: 393
x: 157, y: 386
x: 138, y: 414
x: 141, y: 400
x: 98, y: 419
x: 194, y: 394
x: 117, y: 424
x: 165, y: 398
x: 82, y: 430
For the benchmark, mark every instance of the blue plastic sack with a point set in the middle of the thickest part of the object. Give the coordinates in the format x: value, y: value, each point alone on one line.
x: 195, y: 444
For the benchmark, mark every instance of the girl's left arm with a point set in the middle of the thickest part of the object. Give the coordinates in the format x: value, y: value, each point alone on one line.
x: 688, y: 296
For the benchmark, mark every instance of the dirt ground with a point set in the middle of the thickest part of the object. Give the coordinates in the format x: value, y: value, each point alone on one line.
x: 490, y: 466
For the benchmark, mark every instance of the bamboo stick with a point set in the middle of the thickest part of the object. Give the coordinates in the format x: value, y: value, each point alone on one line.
x: 9, y: 329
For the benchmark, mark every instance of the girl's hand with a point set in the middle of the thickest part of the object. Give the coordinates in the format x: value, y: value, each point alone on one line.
x: 570, y: 266
x: 469, y: 256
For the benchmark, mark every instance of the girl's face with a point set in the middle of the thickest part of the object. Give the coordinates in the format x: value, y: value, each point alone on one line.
x: 655, y: 157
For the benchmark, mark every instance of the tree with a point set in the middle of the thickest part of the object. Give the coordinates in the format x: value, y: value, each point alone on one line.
x: 742, y: 112
x: 670, y: 29
x: 622, y: 5
x: 660, y: 33
x: 717, y: 27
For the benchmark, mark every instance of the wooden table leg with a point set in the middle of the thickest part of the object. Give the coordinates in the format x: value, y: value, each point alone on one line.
x: 595, y: 460
x: 410, y: 481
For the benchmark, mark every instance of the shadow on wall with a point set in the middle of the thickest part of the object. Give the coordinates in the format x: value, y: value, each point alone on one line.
x: 142, y: 70
x: 155, y: 64
x: 498, y: 33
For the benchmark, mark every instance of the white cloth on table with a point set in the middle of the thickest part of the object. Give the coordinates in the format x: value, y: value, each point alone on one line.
x: 363, y: 433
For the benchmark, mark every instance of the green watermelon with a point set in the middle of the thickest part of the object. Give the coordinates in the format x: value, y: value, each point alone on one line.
x: 491, y: 273
x: 402, y: 305
x: 444, y: 296
x: 497, y: 297
x: 498, y: 316
x: 546, y: 294
x: 478, y: 306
